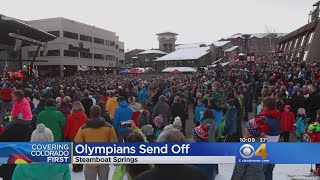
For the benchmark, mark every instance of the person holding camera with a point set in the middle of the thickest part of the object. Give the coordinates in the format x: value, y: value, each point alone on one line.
x: 122, y: 114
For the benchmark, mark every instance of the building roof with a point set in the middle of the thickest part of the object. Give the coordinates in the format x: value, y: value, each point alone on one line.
x: 220, y: 43
x: 185, y: 54
x: 192, y: 45
x: 231, y: 49
x: 167, y: 32
x: 300, y: 30
x: 252, y: 35
x: 152, y: 51
x: 181, y: 69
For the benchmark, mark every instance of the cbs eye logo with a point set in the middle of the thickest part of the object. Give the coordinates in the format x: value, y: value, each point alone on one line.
x: 247, y: 151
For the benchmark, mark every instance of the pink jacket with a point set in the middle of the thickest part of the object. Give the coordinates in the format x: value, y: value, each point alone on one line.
x: 21, y: 110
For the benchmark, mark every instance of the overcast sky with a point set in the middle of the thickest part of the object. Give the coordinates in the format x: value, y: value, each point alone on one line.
x: 137, y: 21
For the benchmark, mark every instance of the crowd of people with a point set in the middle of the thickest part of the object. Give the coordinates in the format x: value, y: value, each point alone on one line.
x: 156, y: 108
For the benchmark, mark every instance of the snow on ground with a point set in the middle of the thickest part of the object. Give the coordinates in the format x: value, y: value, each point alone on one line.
x: 281, y: 172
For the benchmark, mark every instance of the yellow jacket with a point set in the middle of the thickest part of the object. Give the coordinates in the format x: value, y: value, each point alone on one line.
x: 96, y: 130
x: 112, y: 105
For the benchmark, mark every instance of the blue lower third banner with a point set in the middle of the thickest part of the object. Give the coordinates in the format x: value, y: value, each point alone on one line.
x: 26, y: 153
x: 160, y: 153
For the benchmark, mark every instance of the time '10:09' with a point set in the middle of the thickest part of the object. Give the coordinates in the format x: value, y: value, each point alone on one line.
x: 253, y: 140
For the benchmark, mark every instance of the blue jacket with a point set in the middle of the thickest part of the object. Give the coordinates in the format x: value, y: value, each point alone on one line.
x: 122, y: 113
x: 197, y: 115
x: 300, y: 125
x: 143, y: 95
x: 231, y: 120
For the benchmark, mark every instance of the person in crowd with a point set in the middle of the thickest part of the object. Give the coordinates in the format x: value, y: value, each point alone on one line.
x: 130, y: 171
x: 21, y: 107
x: 301, y: 124
x: 173, y: 172
x: 259, y: 107
x: 135, y: 107
x: 87, y: 102
x: 144, y: 118
x: 208, y: 118
x: 65, y: 106
x: 6, y: 98
x: 104, y: 113
x: 162, y: 108
x: 313, y: 104
x: 299, y: 101
x: 198, y: 113
x: 40, y: 107
x: 52, y: 119
x: 122, y: 113
x: 104, y: 97
x: 279, y: 101
x: 201, y: 134
x: 287, y: 121
x: 74, y: 121
x: 112, y: 104
x: 58, y: 102
x: 148, y: 131
x: 143, y: 97
x: 46, y: 172
x: 177, y: 109
x: 47, y: 93
x: 177, y: 123
x: 230, y: 129
x: 217, y: 102
x: 249, y: 171
x: 158, y: 123
x: 103, y: 132
x: 314, y: 134
x: 36, y: 99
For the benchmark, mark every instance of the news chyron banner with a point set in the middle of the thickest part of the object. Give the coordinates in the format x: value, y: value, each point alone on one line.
x: 159, y: 153
x: 27, y: 153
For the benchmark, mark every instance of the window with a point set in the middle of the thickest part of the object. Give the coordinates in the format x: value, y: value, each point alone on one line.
x: 32, y: 53
x: 290, y: 45
x: 305, y: 55
x: 110, y: 57
x: 98, y: 56
x: 70, y: 35
x: 56, y: 33
x: 85, y: 55
x: 51, y: 53
x: 108, y: 43
x: 310, y: 37
x: 298, y: 55
x: 98, y: 41
x: 121, y: 50
x: 302, y: 40
x: 86, y: 38
x: 296, y: 43
x: 117, y: 46
x: 69, y: 53
x: 112, y: 43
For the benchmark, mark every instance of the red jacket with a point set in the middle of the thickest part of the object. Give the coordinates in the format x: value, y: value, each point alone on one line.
x: 6, y: 94
x: 287, y: 121
x: 21, y: 110
x: 264, y: 125
x: 314, y: 136
x: 74, y: 122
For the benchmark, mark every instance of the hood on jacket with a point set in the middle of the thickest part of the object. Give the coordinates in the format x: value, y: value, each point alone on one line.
x: 271, y: 113
x: 96, y: 123
x: 113, y: 99
x: 123, y: 104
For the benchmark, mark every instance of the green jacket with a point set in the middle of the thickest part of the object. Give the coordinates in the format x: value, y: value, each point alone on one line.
x: 120, y: 173
x: 54, y: 120
x: 214, y: 131
x: 42, y: 172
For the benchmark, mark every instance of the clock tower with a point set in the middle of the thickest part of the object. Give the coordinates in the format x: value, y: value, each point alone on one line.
x: 167, y: 41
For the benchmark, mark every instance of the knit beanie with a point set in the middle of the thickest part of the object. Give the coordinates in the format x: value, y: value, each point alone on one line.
x: 42, y: 134
x: 252, y: 128
x: 201, y: 133
x: 158, y: 119
x: 177, y: 123
x: 147, y: 130
x: 162, y: 98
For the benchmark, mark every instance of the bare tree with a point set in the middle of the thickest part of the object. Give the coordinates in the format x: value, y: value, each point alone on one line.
x: 272, y: 35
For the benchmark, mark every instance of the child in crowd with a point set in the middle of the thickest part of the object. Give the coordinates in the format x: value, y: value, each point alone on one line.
x: 158, y: 123
x: 259, y: 107
x: 300, y: 124
x: 177, y: 123
x: 198, y: 112
x: 314, y: 134
x: 148, y: 131
x: 287, y: 121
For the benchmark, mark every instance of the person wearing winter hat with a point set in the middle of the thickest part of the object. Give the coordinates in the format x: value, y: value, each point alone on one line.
x: 158, y: 123
x: 47, y: 172
x: 201, y: 133
x: 177, y: 123
x: 253, y: 130
x: 148, y: 131
x: 162, y: 108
